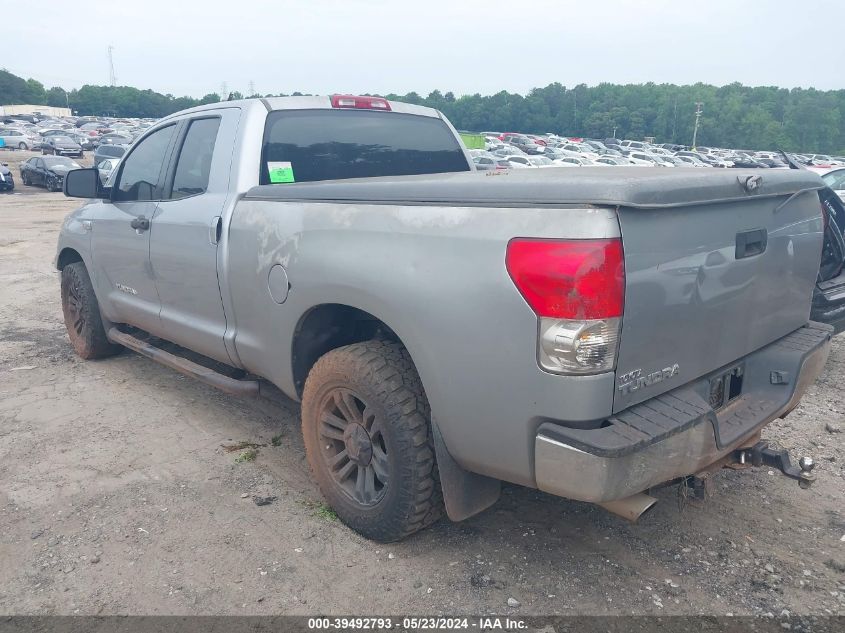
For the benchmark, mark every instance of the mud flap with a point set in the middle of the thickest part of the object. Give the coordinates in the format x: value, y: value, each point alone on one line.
x: 465, y: 494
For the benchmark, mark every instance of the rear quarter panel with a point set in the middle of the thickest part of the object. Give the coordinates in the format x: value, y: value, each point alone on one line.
x: 436, y: 276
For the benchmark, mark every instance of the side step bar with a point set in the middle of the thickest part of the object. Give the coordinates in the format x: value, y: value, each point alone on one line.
x: 243, y: 388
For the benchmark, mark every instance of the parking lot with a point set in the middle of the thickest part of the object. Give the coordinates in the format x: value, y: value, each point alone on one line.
x: 121, y: 492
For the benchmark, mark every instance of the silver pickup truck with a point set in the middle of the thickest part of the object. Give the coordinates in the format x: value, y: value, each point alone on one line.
x: 590, y: 332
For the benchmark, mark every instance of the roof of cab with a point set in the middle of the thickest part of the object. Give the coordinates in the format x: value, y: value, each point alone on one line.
x: 299, y: 103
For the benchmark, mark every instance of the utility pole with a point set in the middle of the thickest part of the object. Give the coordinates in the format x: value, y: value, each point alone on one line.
x: 675, y: 118
x: 614, y: 132
x: 224, y: 92
x: 112, y: 78
x: 251, y: 88
x: 698, y: 105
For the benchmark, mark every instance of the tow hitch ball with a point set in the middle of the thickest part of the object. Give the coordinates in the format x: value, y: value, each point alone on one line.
x: 762, y: 454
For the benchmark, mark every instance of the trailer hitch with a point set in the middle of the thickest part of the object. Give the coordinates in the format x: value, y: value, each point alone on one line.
x: 762, y: 454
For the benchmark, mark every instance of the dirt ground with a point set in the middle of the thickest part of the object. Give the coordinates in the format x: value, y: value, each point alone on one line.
x: 118, y: 496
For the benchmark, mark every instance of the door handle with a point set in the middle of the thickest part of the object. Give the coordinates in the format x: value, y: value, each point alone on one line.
x: 751, y: 243
x: 214, y: 231
x: 140, y: 224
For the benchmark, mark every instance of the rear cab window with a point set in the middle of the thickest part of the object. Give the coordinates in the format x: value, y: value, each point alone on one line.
x: 312, y: 145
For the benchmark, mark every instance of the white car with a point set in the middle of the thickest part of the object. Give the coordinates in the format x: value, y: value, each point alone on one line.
x: 540, y: 161
x: 640, y: 162
x: 574, y: 160
x: 650, y: 158
x: 612, y: 161
x: 519, y: 162
x: 835, y: 179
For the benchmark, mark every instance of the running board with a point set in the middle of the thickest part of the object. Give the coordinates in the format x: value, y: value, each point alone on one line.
x: 244, y: 388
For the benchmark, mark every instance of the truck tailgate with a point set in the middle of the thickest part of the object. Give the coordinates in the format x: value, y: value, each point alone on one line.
x: 710, y: 282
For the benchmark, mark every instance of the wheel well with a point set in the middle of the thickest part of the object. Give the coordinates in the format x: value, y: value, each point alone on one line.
x: 67, y: 256
x: 327, y: 327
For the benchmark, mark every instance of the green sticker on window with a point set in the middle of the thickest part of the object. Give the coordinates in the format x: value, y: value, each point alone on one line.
x: 280, y: 172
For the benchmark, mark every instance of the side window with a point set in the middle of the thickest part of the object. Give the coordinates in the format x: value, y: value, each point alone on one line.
x: 139, y: 176
x: 39, y: 163
x: 194, y: 164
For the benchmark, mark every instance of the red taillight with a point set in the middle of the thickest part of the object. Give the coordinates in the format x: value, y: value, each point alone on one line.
x: 569, y: 279
x: 360, y: 103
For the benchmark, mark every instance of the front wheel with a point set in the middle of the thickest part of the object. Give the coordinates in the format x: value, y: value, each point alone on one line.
x: 365, y: 421
x: 82, y: 315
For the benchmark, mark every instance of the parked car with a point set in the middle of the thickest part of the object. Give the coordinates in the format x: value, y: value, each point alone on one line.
x: 16, y: 139
x: 746, y: 162
x: 835, y: 179
x: 105, y: 168
x: 402, y: 416
x: 61, y: 146
x: 114, y: 139
x: 108, y: 151
x: 7, y: 181
x: 519, y: 161
x: 490, y: 162
x: 47, y: 171
x: 87, y: 143
x: 525, y: 144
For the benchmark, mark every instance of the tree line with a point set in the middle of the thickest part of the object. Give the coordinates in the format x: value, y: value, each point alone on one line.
x: 738, y: 116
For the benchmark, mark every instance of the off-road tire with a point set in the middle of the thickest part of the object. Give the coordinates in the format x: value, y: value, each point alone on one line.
x: 384, y: 375
x: 82, y: 315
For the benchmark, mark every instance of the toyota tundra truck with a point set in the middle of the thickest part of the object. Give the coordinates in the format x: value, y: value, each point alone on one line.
x: 592, y: 333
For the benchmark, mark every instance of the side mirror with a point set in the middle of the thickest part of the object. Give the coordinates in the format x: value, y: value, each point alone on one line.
x: 82, y: 183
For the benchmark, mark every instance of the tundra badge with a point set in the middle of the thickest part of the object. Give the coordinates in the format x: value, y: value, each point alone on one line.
x: 634, y: 380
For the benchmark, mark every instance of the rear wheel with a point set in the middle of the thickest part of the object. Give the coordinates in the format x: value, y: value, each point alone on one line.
x: 365, y: 420
x: 82, y: 315
x: 22, y: 146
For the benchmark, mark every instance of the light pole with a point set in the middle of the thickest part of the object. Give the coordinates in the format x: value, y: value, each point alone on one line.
x: 698, y: 105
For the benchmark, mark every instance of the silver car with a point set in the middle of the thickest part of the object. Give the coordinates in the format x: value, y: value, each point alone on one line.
x: 105, y: 168
x: 16, y: 139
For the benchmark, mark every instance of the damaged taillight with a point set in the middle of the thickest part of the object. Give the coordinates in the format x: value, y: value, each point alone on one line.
x: 577, y: 289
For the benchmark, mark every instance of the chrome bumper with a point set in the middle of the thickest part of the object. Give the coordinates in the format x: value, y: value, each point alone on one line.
x: 678, y: 433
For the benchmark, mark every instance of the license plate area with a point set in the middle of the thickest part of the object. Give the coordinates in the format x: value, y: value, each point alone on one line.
x: 726, y: 387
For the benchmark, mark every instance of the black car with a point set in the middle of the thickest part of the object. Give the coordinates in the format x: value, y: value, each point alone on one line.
x: 772, y: 162
x: 7, y: 182
x: 47, y: 171
x: 61, y: 146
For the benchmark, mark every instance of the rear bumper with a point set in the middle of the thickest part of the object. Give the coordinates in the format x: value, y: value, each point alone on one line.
x: 678, y: 433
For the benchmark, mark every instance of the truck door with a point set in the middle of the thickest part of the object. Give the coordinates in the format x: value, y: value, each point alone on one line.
x: 120, y: 237
x: 187, y: 228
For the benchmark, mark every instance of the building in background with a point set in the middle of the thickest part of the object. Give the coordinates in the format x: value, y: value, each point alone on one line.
x: 9, y: 110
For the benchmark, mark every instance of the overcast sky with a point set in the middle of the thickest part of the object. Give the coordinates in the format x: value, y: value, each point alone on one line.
x: 190, y: 47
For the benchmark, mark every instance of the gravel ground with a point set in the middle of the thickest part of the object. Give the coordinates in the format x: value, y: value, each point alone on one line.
x: 119, y: 494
